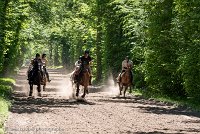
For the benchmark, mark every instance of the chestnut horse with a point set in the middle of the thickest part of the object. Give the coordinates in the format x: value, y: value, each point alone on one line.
x: 44, y: 78
x: 83, y: 80
x: 125, y: 81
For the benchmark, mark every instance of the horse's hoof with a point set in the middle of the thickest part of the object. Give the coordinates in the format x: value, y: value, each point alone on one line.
x: 76, y: 94
x: 39, y: 94
x: 83, y: 96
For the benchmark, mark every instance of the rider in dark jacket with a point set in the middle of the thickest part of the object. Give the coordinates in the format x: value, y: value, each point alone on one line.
x: 85, y: 61
x: 37, y: 63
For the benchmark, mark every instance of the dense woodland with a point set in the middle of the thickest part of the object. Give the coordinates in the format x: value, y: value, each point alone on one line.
x: 161, y: 37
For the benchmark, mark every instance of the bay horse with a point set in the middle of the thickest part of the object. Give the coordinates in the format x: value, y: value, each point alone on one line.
x: 83, y: 80
x: 37, y: 77
x: 125, y: 81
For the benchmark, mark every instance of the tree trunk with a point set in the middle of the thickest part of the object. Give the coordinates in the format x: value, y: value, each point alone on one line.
x: 98, y: 49
x: 98, y: 41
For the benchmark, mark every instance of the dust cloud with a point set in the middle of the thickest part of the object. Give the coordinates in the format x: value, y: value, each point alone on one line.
x: 111, y: 88
x: 65, y: 88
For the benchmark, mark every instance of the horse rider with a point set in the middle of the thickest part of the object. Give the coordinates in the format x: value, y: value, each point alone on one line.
x: 44, y: 63
x: 126, y: 64
x: 85, y: 62
x: 34, y: 66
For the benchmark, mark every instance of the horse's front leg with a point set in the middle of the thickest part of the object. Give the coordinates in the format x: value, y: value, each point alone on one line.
x: 77, y: 89
x: 39, y: 90
x: 84, y: 92
x: 126, y: 87
x: 120, y: 89
x: 44, y: 87
x: 31, y: 90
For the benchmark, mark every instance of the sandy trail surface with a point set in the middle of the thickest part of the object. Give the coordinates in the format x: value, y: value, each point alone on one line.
x: 101, y: 112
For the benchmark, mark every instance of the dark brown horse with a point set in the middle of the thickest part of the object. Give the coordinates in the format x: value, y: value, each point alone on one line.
x: 125, y: 81
x: 83, y: 80
x: 37, y: 78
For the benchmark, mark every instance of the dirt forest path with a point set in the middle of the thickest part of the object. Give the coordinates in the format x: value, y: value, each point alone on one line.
x: 102, y: 112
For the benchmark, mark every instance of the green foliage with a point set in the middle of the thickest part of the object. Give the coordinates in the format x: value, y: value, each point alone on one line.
x: 6, y: 87
x: 4, y: 104
x: 161, y: 37
x: 160, y: 52
x: 5, y: 93
x: 186, y: 29
x: 7, y: 81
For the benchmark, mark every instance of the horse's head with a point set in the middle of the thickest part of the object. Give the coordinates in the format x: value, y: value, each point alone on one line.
x: 128, y: 71
x: 85, y: 68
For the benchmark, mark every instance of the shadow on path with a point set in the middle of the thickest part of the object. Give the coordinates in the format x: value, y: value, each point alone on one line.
x: 42, y: 105
x: 152, y: 106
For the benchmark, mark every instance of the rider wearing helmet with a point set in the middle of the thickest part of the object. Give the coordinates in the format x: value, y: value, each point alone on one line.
x: 86, y: 62
x: 126, y: 63
x: 35, y: 66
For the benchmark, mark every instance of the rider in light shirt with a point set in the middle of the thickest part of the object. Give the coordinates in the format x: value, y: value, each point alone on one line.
x: 44, y: 62
x: 127, y: 63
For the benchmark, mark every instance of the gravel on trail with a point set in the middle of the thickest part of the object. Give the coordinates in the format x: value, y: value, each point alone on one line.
x: 101, y: 112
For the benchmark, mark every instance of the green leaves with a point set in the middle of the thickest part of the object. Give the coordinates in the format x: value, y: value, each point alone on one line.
x: 160, y: 36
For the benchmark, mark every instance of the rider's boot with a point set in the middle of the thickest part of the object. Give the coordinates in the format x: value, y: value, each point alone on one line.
x: 119, y: 79
x: 47, y: 74
x: 48, y: 79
